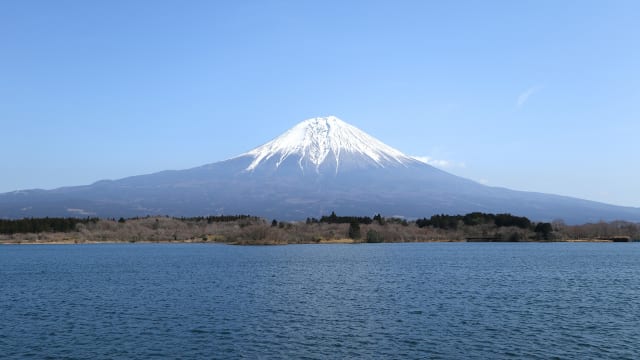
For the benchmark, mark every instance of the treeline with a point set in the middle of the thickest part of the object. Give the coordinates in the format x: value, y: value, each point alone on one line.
x: 40, y: 225
x: 55, y: 225
x: 246, y: 229
x: 365, y: 220
x: 445, y: 222
x: 335, y: 219
x: 209, y: 219
x: 448, y: 222
x: 219, y: 218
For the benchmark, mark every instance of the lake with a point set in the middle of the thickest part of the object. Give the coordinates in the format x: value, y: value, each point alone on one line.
x: 428, y: 300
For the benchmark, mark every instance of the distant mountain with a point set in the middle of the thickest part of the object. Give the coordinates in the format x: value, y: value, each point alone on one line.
x: 318, y: 166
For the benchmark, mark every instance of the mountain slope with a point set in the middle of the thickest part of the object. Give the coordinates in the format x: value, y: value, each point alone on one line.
x: 318, y: 166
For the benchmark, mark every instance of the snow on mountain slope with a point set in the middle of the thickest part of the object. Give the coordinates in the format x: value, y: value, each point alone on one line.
x: 317, y: 140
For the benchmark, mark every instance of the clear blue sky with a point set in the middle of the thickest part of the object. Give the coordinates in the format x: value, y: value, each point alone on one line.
x: 530, y: 95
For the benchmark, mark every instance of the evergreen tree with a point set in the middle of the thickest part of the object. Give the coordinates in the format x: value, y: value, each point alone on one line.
x: 543, y: 230
x: 354, y: 230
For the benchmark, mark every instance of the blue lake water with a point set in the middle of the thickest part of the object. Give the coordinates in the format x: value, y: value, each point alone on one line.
x: 449, y: 301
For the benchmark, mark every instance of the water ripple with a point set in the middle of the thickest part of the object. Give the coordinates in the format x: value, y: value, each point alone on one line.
x: 444, y: 301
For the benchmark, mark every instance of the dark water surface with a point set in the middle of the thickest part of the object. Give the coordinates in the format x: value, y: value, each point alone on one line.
x: 448, y: 301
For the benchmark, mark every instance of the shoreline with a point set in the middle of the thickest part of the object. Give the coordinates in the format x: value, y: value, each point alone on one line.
x: 249, y: 230
x: 267, y: 243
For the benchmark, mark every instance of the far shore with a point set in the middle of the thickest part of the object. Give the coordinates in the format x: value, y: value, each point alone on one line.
x: 332, y: 229
x: 269, y: 243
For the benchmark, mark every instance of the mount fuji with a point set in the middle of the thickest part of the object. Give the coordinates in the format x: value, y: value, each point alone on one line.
x: 320, y: 165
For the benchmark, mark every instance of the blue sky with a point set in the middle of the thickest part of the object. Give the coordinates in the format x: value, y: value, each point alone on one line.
x: 530, y: 95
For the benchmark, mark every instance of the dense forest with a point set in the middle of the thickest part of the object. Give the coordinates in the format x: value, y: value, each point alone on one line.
x: 246, y: 229
x: 40, y: 225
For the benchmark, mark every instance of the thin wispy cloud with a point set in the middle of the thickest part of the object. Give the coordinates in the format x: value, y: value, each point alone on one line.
x: 438, y: 162
x: 525, y: 95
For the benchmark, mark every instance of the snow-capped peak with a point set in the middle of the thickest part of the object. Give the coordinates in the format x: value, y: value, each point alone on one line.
x: 316, y: 140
